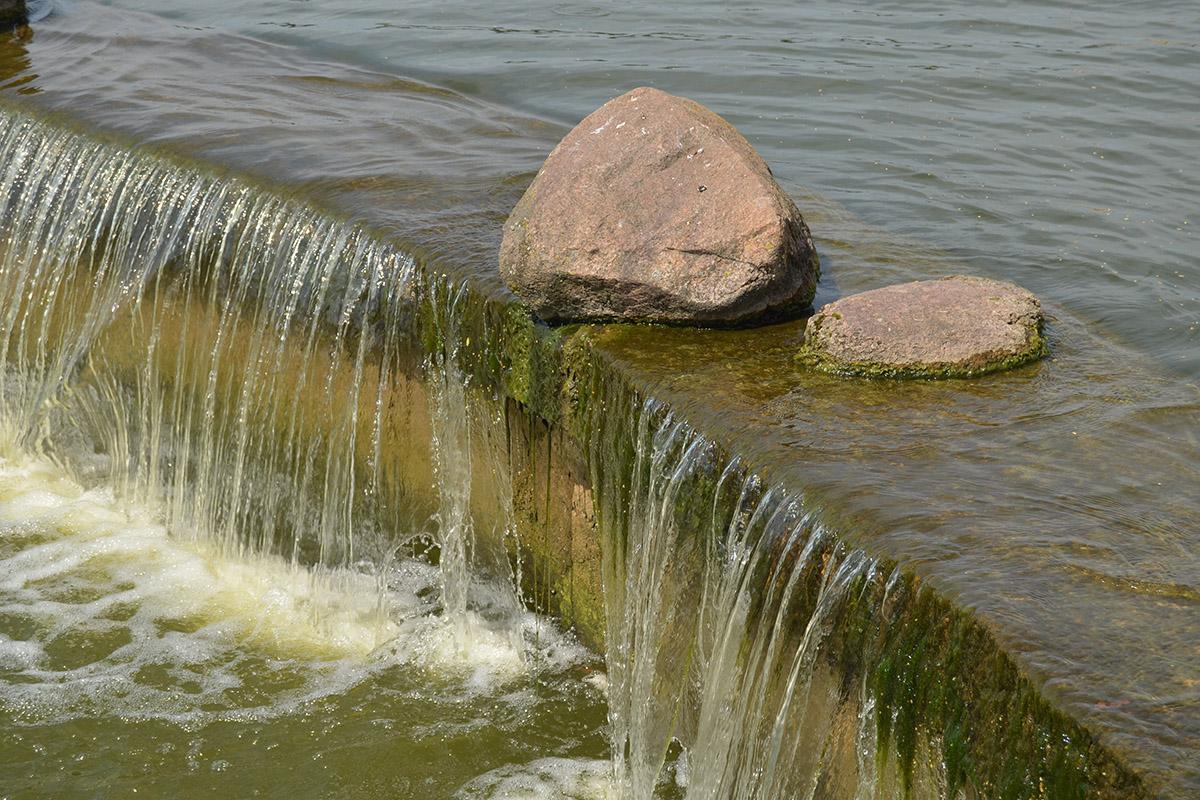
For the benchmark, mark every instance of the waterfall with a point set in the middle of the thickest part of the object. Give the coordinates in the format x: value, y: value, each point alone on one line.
x: 239, y: 361
x: 724, y: 627
x: 462, y: 431
x: 199, y: 329
x: 273, y: 380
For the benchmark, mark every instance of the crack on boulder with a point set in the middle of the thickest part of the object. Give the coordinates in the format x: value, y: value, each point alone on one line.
x: 701, y: 252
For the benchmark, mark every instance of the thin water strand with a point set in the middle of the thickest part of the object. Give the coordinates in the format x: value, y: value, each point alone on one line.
x: 723, y: 629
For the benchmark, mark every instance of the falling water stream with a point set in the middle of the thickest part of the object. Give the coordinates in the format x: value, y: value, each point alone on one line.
x: 718, y: 623
x: 208, y: 526
x: 208, y: 552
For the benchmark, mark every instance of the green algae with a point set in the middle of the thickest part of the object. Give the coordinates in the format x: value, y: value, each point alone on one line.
x: 938, y: 674
x: 813, y: 356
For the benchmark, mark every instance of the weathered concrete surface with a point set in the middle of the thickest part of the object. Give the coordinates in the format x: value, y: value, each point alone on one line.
x: 655, y: 209
x: 12, y: 12
x: 951, y: 327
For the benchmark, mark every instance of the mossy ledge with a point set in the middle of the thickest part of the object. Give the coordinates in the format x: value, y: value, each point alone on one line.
x: 941, y: 681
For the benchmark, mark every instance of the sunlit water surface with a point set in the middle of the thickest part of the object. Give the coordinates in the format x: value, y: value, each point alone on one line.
x: 1047, y: 143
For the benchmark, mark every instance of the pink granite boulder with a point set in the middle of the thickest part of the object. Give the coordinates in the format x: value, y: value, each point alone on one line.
x: 655, y: 209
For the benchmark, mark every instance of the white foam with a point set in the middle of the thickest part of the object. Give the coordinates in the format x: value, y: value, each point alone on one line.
x: 19, y: 655
x: 486, y: 655
x: 129, y: 619
x: 544, y: 779
x: 92, y: 538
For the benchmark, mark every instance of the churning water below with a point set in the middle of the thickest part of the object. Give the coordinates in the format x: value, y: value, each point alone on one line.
x: 134, y: 660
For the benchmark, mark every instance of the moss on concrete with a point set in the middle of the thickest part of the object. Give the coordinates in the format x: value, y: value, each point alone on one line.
x: 940, y: 678
x: 941, y: 681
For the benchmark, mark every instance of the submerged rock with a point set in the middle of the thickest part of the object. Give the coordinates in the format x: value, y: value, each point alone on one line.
x: 655, y: 209
x: 948, y: 328
x: 12, y: 13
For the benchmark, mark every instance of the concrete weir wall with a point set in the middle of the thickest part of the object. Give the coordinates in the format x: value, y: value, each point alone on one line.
x: 952, y: 709
x: 564, y: 429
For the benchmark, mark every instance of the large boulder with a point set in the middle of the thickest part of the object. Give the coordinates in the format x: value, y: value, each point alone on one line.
x: 654, y: 209
x: 948, y: 328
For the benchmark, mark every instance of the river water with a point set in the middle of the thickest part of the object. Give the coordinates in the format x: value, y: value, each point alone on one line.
x: 1049, y: 144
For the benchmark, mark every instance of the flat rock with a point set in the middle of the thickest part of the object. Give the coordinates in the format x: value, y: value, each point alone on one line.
x: 655, y: 209
x: 951, y: 327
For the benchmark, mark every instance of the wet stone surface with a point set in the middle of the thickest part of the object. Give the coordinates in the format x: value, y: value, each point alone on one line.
x: 655, y: 209
x: 948, y: 328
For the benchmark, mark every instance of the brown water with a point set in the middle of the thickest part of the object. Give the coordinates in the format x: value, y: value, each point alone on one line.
x: 1049, y: 145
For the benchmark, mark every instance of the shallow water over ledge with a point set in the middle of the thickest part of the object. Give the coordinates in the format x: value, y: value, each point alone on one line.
x: 1049, y: 144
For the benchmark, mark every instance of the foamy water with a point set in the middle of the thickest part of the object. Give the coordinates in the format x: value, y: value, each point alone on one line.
x: 114, y: 615
x: 544, y: 779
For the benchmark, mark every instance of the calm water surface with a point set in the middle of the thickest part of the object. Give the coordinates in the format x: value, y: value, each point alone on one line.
x: 1050, y: 144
